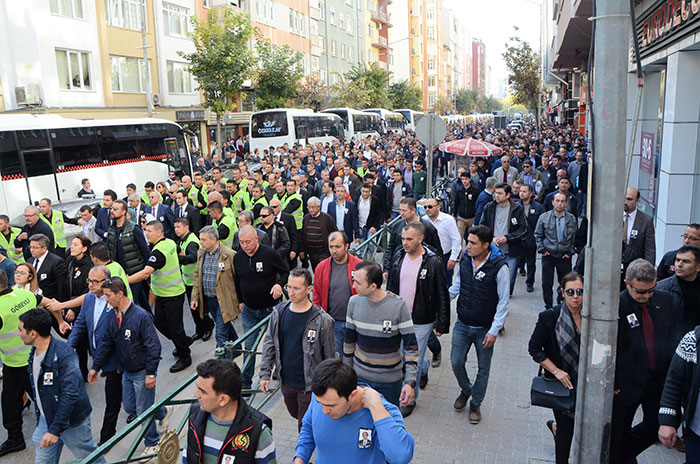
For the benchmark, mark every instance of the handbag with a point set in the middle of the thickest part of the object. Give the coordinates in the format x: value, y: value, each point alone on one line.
x: 550, y: 393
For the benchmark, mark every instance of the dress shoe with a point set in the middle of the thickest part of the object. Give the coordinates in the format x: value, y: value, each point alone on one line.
x: 437, y: 359
x: 423, y: 381
x: 181, y: 364
x: 474, y: 414
x: 130, y: 418
x: 407, y: 410
x: 206, y: 335
x: 196, y: 336
x: 12, y: 447
x: 461, y: 401
x: 530, y: 289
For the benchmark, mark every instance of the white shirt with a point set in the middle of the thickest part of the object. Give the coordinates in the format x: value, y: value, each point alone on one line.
x: 363, y: 208
x: 325, y: 201
x: 449, y: 234
x: 630, y: 224
x: 40, y: 261
x: 100, y: 305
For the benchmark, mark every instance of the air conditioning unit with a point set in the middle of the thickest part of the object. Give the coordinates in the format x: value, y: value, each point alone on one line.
x: 155, y: 99
x: 28, y: 95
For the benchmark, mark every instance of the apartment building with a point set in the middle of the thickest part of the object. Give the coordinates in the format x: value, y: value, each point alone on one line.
x: 408, y: 43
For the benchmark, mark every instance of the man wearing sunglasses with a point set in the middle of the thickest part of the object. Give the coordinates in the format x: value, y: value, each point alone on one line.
x: 646, y: 339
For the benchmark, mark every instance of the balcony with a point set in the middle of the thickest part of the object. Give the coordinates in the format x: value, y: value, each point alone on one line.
x: 381, y: 16
x: 380, y: 42
x: 572, y: 35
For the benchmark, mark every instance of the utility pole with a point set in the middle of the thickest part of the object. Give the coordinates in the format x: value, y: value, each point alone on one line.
x: 144, y: 47
x: 600, y: 311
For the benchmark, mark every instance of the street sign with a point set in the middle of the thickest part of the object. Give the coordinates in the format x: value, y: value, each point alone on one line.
x: 430, y: 130
x: 439, y: 130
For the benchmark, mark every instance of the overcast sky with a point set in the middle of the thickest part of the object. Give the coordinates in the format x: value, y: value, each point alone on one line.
x: 493, y: 21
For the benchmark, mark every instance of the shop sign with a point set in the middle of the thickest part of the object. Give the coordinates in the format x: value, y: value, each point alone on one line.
x: 646, y: 164
x: 189, y: 115
x: 666, y: 22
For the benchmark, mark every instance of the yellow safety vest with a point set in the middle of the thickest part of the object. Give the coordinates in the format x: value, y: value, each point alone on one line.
x: 9, y: 245
x: 13, y: 351
x: 56, y: 224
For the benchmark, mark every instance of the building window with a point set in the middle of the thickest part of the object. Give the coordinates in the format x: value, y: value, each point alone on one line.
x: 370, y: 31
x: 322, y: 11
x: 361, y: 56
x: 431, y: 32
x: 175, y: 20
x: 431, y: 64
x: 334, y: 48
x: 125, y: 13
x: 179, y: 80
x: 322, y: 43
x: 67, y: 8
x: 431, y: 81
x: 331, y: 18
x: 359, y: 4
x: 128, y: 74
x: 351, y: 53
x: 324, y: 77
x: 432, y: 99
x: 351, y: 26
x: 430, y: 15
x: 73, y: 70
x: 205, y: 3
x: 342, y: 50
x: 359, y: 28
x: 341, y: 21
x: 264, y: 11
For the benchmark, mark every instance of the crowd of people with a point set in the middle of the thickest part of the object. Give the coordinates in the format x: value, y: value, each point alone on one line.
x: 348, y: 338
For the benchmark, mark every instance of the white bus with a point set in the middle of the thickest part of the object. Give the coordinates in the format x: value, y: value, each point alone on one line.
x: 358, y: 124
x: 46, y: 156
x: 393, y: 122
x: 274, y: 128
x: 412, y: 118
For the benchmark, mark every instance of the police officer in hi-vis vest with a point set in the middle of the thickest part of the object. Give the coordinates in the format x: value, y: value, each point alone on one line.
x: 167, y: 285
x: 56, y: 220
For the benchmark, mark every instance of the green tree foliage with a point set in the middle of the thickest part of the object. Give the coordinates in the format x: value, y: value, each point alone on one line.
x: 278, y: 75
x: 375, y: 80
x: 221, y: 61
x: 442, y: 105
x: 523, y: 74
x: 351, y: 93
x: 469, y: 100
x: 312, y: 93
x: 404, y: 94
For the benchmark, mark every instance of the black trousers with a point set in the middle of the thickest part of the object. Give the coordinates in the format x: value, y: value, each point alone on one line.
x: 168, y: 321
x: 549, y: 264
x: 627, y: 442
x: 15, y: 383
x: 316, y: 256
x: 527, y: 260
x: 113, y: 404
x: 140, y: 291
x: 434, y: 344
x: 201, y: 324
x: 82, y: 351
x: 565, y: 435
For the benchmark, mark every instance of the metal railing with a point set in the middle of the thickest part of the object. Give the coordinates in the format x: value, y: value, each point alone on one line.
x: 169, y: 444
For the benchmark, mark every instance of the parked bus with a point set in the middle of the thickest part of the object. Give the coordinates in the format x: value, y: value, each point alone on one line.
x: 358, y: 124
x: 392, y: 121
x: 46, y: 156
x: 412, y: 118
x: 274, y: 128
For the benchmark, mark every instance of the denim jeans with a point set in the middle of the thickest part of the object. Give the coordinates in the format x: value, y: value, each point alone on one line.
x: 512, y: 262
x: 339, y: 331
x: 463, y: 336
x: 224, y: 330
x: 250, y: 317
x: 78, y: 439
x: 390, y: 391
x: 364, y: 235
x: 692, y: 446
x: 423, y: 332
x: 137, y: 399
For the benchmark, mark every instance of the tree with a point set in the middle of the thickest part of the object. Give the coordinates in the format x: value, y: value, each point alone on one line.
x: 491, y: 105
x: 465, y: 100
x: 312, y: 93
x: 523, y: 78
x: 442, y: 105
x: 351, y: 93
x: 278, y: 75
x: 221, y: 61
x: 375, y: 80
x: 405, y: 94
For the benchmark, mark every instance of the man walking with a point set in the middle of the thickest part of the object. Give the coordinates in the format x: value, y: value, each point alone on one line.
x: 377, y: 324
x: 450, y: 240
x: 299, y: 336
x: 131, y: 335
x: 315, y: 230
x: 684, y: 285
x: 555, y: 233
x: 638, y: 228
x: 418, y: 278
x: 167, y: 285
x: 464, y: 203
x: 259, y: 272
x: 666, y: 268
x: 61, y: 401
x: 344, y: 212
x: 528, y: 253
x: 333, y: 284
x: 483, y: 288
x: 484, y: 198
x: 33, y: 226
x: 213, y: 289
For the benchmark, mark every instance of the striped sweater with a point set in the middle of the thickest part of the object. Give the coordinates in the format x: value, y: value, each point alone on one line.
x: 373, y: 336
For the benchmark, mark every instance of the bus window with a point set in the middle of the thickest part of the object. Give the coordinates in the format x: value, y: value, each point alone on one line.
x: 10, y: 167
x: 32, y: 139
x: 74, y: 147
x: 117, y: 143
x: 273, y: 124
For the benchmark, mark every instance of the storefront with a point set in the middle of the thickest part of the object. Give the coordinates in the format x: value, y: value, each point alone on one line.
x: 666, y: 159
x: 233, y: 125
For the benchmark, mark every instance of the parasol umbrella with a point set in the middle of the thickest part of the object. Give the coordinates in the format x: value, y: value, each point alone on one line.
x: 470, y: 147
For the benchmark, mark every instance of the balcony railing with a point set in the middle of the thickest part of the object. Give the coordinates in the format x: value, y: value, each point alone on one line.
x: 380, y: 16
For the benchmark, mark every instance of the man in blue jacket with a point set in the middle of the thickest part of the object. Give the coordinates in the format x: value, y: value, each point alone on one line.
x: 93, y: 320
x: 344, y: 213
x: 132, y: 336
x: 484, y: 198
x: 61, y: 402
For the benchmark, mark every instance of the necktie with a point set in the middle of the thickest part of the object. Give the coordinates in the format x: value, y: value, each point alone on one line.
x: 648, y: 326
x: 625, y: 224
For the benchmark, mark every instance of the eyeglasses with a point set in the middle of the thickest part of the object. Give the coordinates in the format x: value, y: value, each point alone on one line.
x: 690, y: 237
x: 430, y: 206
x: 265, y: 215
x: 114, y: 208
x: 644, y: 292
x: 571, y: 291
x: 94, y: 281
x: 18, y: 272
x: 296, y: 289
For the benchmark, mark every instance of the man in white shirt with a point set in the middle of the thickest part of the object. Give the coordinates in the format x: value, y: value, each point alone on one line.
x: 450, y: 239
x: 328, y: 195
x: 87, y: 221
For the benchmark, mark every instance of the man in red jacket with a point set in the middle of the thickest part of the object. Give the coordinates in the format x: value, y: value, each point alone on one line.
x: 333, y: 283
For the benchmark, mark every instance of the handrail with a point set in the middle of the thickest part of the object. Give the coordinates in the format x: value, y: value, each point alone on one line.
x: 148, y: 416
x: 369, y: 248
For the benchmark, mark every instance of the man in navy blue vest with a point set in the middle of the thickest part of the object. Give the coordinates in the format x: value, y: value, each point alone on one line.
x: 483, y: 287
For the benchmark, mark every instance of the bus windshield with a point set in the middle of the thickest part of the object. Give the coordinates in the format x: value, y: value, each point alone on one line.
x: 270, y: 124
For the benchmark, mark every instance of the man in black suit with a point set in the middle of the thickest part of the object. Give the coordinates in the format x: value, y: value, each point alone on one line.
x: 369, y: 211
x: 162, y: 213
x: 34, y: 225
x: 638, y: 228
x: 184, y: 210
x: 344, y: 213
x: 646, y: 340
x: 291, y: 226
x: 50, y: 269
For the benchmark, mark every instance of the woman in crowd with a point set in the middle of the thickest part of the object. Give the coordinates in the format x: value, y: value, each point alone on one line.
x: 26, y: 278
x: 554, y: 345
